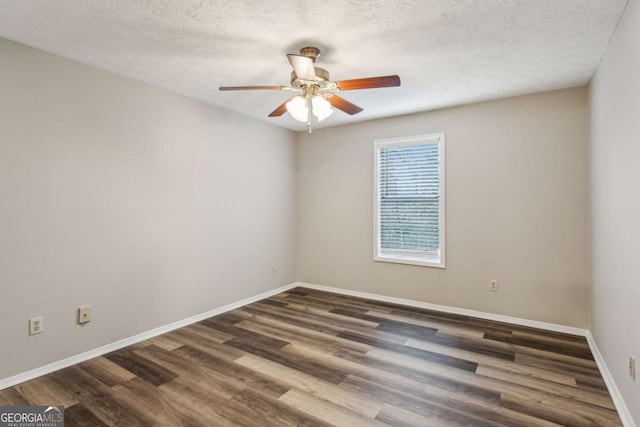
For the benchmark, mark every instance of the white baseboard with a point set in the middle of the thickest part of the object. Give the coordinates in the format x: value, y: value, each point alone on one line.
x: 55, y: 366
x: 454, y: 310
x: 621, y: 407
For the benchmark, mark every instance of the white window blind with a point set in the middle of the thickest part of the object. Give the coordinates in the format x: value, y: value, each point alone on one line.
x: 410, y: 200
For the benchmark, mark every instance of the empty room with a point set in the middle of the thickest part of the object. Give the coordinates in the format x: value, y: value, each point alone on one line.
x: 341, y: 213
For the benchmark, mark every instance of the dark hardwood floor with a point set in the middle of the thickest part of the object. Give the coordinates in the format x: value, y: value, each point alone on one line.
x: 306, y: 357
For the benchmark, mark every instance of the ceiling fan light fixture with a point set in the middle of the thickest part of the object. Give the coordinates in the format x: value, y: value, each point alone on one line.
x: 314, y: 83
x: 298, y: 108
x: 321, y: 108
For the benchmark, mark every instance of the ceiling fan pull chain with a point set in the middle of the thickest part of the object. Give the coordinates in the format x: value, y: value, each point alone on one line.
x: 309, y: 107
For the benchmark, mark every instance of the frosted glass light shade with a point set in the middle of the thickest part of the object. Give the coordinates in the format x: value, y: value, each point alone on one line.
x: 298, y: 108
x: 321, y: 108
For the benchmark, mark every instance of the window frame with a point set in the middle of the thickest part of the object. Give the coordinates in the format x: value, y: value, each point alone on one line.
x: 400, y: 256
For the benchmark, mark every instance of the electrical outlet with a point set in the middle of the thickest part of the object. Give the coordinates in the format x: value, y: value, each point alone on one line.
x: 36, y: 325
x: 273, y: 267
x: 632, y: 368
x: 493, y: 285
x: 84, y: 315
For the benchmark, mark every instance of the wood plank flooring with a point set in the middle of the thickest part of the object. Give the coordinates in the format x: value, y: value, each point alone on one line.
x: 311, y: 358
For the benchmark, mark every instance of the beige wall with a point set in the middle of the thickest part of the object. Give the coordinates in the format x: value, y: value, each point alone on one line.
x: 517, y: 203
x: 147, y: 205
x: 615, y: 205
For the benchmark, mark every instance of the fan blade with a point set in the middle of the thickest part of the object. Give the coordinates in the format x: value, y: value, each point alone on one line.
x: 343, y: 104
x: 369, y: 83
x: 303, y: 66
x: 223, y: 88
x: 282, y: 108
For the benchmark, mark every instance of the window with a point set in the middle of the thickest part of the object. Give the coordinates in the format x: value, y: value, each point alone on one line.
x: 409, y: 200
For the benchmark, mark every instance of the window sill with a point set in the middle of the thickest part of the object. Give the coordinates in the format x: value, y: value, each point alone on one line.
x: 423, y: 262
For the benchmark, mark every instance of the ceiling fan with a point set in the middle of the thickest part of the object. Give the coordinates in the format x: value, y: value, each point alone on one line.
x: 317, y: 97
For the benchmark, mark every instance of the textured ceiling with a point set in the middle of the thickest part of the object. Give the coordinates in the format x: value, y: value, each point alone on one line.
x: 447, y: 52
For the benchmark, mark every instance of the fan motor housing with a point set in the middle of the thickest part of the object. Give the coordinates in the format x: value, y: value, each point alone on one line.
x: 322, y: 77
